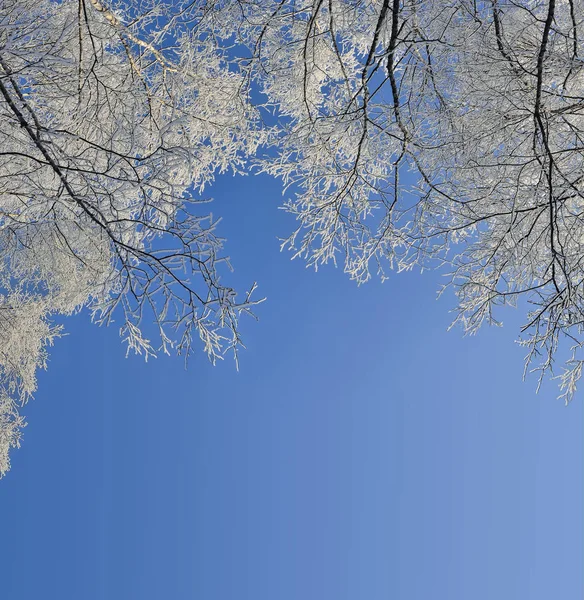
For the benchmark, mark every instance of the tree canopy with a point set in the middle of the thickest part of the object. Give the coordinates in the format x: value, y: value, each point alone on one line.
x: 407, y: 133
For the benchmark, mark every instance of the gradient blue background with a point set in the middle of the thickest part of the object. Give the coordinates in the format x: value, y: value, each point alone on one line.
x: 362, y: 452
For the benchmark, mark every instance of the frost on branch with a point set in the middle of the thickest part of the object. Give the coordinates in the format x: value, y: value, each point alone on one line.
x: 24, y: 335
x: 11, y: 424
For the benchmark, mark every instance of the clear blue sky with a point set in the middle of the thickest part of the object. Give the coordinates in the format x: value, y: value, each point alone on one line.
x: 362, y: 452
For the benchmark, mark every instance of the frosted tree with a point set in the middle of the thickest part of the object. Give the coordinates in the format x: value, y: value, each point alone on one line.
x: 111, y: 128
x: 410, y: 132
x: 430, y: 133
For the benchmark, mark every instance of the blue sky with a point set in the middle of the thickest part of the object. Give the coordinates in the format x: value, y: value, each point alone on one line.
x: 360, y: 452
